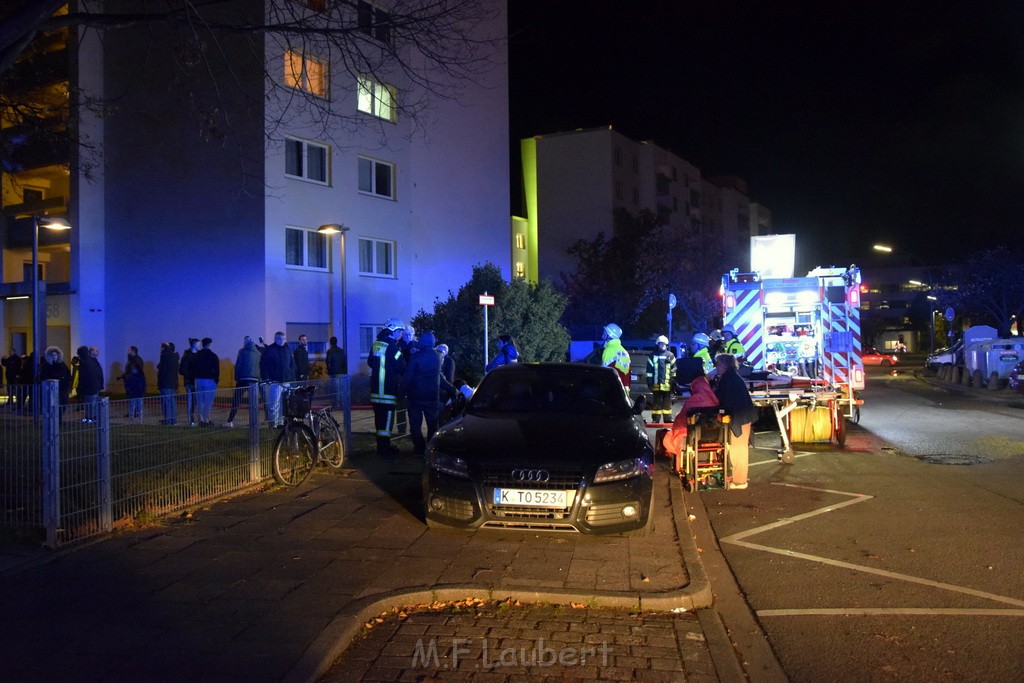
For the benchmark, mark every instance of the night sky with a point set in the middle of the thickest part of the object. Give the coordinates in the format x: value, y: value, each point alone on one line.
x: 853, y: 122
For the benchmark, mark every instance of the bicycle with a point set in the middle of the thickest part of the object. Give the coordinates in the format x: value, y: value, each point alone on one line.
x: 309, y: 436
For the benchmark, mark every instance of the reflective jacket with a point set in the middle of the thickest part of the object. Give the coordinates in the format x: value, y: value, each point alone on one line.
x: 735, y: 347
x: 616, y: 357
x: 705, y: 358
x: 387, y: 365
x: 661, y: 371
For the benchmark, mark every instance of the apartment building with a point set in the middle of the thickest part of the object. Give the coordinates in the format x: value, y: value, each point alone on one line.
x: 192, y: 222
x: 575, y: 181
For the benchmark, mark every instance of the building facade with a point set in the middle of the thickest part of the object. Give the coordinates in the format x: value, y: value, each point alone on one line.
x: 575, y: 181
x: 184, y: 229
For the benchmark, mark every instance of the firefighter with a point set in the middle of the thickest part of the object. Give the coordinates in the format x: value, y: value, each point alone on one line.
x: 387, y: 365
x: 614, y: 355
x: 732, y: 345
x: 661, y: 378
x: 700, y: 351
x: 717, y: 343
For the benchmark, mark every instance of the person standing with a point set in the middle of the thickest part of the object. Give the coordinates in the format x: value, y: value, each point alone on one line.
x: 734, y: 397
x: 54, y: 367
x: 507, y: 353
x: 423, y: 385
x: 732, y: 345
x: 90, y: 381
x: 277, y: 366
x: 12, y: 368
x: 301, y: 354
x: 206, y: 370
x: 247, y: 373
x: 661, y: 380
x: 134, y: 379
x: 167, y: 382
x: 185, y: 369
x: 447, y: 364
x: 701, y: 352
x: 614, y: 355
x: 387, y: 365
x: 337, y: 368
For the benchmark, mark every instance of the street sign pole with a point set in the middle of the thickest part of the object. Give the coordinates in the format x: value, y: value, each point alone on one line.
x: 486, y: 301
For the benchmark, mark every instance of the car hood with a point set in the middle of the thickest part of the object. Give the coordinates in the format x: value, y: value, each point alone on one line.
x: 550, y: 438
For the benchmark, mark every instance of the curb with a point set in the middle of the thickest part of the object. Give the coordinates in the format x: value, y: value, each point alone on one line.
x: 1003, y: 396
x: 344, y: 627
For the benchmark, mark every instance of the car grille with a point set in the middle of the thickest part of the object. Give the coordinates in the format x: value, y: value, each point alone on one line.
x: 501, y: 476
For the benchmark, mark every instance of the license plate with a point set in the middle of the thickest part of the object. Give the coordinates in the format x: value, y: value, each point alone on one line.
x: 528, y: 497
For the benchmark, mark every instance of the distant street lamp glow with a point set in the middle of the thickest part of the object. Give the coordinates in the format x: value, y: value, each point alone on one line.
x: 917, y: 283
x: 882, y: 247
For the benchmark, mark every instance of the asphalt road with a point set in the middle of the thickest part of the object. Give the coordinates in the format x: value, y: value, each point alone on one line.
x: 898, y: 558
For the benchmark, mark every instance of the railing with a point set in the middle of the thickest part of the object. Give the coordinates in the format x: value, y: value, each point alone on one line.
x: 76, y: 476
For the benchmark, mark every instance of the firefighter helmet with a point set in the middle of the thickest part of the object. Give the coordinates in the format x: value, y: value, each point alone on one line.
x: 394, y: 324
x: 701, y: 339
x: 662, y: 340
x: 612, y: 331
x: 730, y: 329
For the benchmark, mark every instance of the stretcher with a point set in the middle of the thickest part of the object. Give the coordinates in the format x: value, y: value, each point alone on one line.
x: 805, y: 410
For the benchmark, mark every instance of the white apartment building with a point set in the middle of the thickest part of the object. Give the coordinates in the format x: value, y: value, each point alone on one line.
x: 574, y: 181
x: 179, y: 232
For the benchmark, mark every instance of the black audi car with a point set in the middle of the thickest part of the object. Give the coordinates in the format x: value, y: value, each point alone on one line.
x: 556, y: 446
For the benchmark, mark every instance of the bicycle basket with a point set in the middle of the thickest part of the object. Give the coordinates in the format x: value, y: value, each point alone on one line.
x: 297, y: 402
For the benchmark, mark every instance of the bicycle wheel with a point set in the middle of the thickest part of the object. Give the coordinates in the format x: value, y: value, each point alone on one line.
x: 332, y: 445
x: 295, y: 454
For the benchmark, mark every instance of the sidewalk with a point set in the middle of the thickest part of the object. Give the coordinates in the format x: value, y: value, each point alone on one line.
x: 275, y: 585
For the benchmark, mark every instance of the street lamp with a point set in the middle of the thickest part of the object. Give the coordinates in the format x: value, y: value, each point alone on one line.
x: 886, y: 249
x: 331, y: 229
x: 39, y: 331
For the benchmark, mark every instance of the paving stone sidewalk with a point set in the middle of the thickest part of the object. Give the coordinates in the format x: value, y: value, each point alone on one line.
x: 273, y: 585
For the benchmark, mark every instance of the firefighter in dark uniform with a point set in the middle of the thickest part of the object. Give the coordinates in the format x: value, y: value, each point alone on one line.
x: 387, y: 365
x: 661, y: 378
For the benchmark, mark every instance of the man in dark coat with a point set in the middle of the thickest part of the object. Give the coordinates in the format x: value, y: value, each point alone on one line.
x: 734, y: 397
x: 301, y: 354
x: 12, y: 366
x: 206, y: 370
x: 54, y: 367
x: 90, y: 381
x: 277, y: 365
x: 422, y: 383
x: 337, y: 368
x: 247, y: 373
x: 188, y: 374
x: 167, y: 382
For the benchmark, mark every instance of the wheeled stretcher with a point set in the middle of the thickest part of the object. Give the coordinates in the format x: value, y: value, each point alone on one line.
x: 705, y: 459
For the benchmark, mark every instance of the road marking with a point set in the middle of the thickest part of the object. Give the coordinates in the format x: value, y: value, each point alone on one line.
x: 736, y: 539
x: 878, y: 611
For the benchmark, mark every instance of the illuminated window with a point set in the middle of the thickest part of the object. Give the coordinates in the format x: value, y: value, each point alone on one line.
x: 520, y: 269
x: 304, y: 248
x: 306, y: 160
x: 520, y: 241
x: 376, y: 257
x: 376, y: 177
x: 367, y: 335
x: 374, y: 21
x: 315, y: 5
x: 377, y: 99
x: 305, y: 73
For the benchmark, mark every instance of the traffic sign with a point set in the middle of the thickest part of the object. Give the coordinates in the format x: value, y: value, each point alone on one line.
x: 949, y: 314
x: 486, y: 300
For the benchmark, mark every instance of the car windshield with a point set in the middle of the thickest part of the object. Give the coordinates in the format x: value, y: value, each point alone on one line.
x: 551, y: 390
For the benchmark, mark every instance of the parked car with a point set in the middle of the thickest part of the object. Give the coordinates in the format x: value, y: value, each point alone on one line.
x: 946, y: 356
x: 554, y: 446
x: 1016, y: 378
x: 872, y: 356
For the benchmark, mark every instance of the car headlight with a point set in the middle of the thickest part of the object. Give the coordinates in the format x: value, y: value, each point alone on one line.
x: 449, y: 464
x: 621, y: 469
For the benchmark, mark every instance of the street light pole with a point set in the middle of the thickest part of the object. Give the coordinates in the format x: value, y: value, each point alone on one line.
x: 39, y: 331
x: 886, y: 249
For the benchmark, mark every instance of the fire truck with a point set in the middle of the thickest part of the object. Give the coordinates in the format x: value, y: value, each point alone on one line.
x: 802, y: 338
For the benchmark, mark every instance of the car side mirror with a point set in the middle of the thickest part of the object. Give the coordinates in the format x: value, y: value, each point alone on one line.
x: 640, y: 404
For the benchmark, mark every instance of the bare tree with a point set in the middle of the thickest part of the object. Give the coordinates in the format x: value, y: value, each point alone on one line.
x: 431, y: 48
x: 989, y: 287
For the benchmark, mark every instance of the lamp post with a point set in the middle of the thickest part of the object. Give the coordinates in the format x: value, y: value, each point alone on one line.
x: 332, y: 229
x: 39, y: 331
x: 886, y: 249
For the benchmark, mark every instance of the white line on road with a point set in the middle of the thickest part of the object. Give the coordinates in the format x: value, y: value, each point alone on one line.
x: 736, y: 539
x: 875, y: 611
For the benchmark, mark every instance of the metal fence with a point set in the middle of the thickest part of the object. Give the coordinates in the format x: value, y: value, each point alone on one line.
x: 75, y: 474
